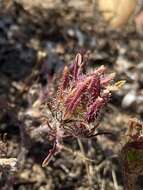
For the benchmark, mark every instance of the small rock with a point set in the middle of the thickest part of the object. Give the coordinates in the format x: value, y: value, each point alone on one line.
x: 129, y: 99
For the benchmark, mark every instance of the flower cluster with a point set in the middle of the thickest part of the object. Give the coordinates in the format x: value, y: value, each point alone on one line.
x: 77, y: 104
x: 81, y: 95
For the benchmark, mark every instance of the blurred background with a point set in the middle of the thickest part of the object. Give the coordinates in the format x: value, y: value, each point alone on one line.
x: 37, y: 38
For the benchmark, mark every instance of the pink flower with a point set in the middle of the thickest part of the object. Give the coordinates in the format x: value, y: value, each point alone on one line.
x: 78, y: 102
x: 94, y: 109
x: 74, y: 98
x: 83, y: 95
